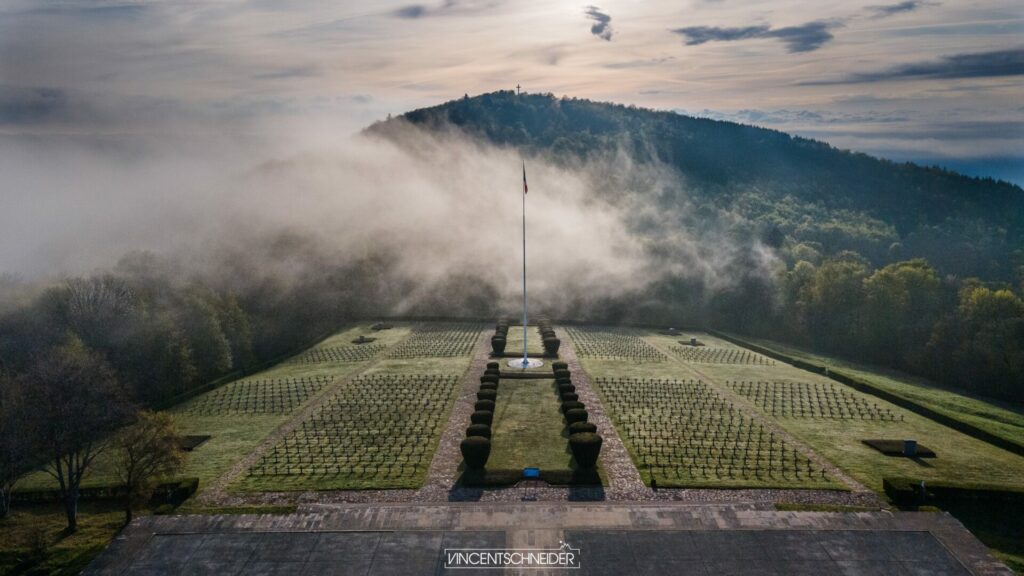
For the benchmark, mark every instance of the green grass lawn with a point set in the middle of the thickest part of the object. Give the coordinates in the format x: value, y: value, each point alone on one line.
x: 380, y: 431
x: 514, y: 340
x: 1002, y: 419
x: 648, y: 415
x: 32, y: 539
x: 528, y: 428
x: 961, y: 458
x: 235, y: 434
x: 350, y: 443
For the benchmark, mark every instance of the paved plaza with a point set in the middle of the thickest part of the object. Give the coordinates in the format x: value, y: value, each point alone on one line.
x: 611, y: 539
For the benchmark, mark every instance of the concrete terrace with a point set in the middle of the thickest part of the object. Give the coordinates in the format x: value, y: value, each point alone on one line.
x: 612, y: 538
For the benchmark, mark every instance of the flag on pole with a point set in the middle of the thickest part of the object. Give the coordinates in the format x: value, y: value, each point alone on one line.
x: 525, y: 188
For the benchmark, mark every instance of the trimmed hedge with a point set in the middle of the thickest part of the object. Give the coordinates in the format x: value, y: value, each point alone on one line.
x: 478, y: 430
x: 578, y: 427
x: 562, y: 374
x: 907, y: 492
x: 493, y: 366
x: 570, y: 397
x: 489, y: 386
x: 551, y: 346
x: 487, y: 395
x: 586, y: 447
x: 487, y: 405
x: 174, y: 492
x: 482, y: 417
x: 475, y: 451
x: 576, y: 415
x: 559, y: 365
x: 498, y: 344
x: 575, y: 404
x: 489, y: 378
x: 566, y: 388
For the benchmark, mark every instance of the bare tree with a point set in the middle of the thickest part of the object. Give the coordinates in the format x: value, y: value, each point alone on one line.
x: 14, y: 457
x: 143, y: 453
x: 73, y: 401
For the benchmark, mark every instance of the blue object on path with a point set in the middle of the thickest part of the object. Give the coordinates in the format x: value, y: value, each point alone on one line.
x: 531, y: 472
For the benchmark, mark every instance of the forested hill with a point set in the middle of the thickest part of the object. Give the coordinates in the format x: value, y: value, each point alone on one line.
x: 831, y: 199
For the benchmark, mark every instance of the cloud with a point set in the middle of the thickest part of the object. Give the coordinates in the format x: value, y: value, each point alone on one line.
x: 412, y: 11
x: 696, y: 35
x: 417, y: 11
x: 644, y: 63
x: 787, y: 117
x: 602, y: 23
x: 32, y: 105
x: 886, y: 10
x: 803, y: 38
x: 289, y: 73
x: 999, y: 63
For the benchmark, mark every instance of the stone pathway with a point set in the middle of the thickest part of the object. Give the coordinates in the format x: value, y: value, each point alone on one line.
x: 612, y: 539
x: 623, y: 478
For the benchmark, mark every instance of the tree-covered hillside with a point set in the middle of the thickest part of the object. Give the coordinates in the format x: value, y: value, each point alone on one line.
x: 834, y: 200
x: 907, y: 266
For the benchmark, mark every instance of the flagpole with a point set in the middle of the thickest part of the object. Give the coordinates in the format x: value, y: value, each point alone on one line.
x: 526, y: 360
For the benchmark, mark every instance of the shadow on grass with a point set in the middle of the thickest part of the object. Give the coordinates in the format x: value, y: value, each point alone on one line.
x: 997, y: 523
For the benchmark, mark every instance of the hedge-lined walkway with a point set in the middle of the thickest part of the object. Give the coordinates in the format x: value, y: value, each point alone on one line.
x: 624, y: 482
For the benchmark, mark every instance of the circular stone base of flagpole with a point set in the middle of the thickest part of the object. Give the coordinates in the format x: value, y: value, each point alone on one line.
x: 530, y: 363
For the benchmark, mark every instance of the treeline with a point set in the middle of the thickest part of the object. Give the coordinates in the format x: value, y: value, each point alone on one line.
x: 960, y: 332
x: 162, y: 335
x: 882, y: 258
x: 166, y: 326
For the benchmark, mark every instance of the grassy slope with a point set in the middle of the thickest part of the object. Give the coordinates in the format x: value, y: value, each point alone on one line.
x: 528, y: 428
x: 672, y: 370
x: 999, y: 418
x: 32, y: 536
x: 514, y: 342
x: 234, y: 436
x: 448, y: 365
x: 960, y: 457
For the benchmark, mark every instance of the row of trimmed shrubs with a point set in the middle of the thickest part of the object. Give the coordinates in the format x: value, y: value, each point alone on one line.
x: 172, y: 492
x: 547, y: 335
x: 910, y: 492
x: 584, y: 441
x: 476, y: 447
x: 500, y: 337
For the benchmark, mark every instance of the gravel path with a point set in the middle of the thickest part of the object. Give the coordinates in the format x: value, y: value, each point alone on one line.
x: 624, y: 482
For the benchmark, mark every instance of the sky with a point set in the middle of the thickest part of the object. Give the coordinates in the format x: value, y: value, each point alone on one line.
x: 938, y: 82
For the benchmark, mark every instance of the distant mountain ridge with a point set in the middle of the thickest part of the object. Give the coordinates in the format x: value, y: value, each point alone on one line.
x: 793, y: 188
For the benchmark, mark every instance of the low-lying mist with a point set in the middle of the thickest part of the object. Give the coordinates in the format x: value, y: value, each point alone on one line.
x: 414, y: 223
